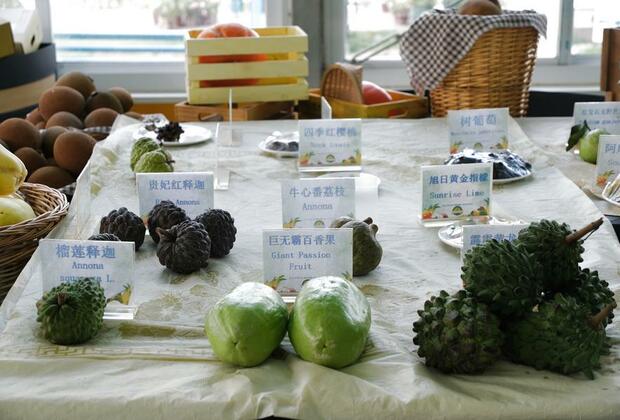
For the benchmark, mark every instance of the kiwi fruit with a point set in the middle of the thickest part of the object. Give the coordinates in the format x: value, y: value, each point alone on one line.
x: 18, y: 133
x: 134, y: 115
x: 35, y: 116
x: 100, y: 117
x: 52, y: 176
x: 123, y: 96
x: 72, y: 150
x: 32, y: 159
x: 61, y: 98
x: 64, y: 119
x: 78, y: 81
x: 479, y: 8
x: 103, y: 100
x: 49, y: 137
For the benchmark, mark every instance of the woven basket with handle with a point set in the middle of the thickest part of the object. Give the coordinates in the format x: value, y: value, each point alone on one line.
x: 18, y: 242
x: 495, y: 73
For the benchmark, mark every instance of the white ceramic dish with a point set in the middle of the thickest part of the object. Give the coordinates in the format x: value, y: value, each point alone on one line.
x: 509, y: 180
x: 192, y: 134
x: 452, y: 235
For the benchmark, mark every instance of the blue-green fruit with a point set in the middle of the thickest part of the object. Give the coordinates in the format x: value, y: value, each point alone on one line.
x: 330, y: 322
x: 140, y: 147
x: 247, y: 325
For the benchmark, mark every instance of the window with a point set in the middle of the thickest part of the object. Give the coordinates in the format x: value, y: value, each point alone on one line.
x: 590, y: 17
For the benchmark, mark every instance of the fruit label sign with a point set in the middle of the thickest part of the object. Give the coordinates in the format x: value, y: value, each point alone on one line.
x: 192, y: 191
x: 603, y: 115
x: 478, y: 129
x: 475, y: 235
x: 290, y: 257
x: 308, y: 203
x: 456, y: 192
x: 330, y: 145
x: 108, y: 262
x: 607, y: 160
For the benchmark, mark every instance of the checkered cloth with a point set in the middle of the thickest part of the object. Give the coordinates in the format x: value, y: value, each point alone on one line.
x: 438, y: 40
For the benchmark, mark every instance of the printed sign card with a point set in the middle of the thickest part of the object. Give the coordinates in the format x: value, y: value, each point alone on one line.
x: 453, y: 192
x: 604, y: 115
x: 330, y: 145
x: 326, y: 109
x: 291, y: 256
x: 478, y: 129
x: 317, y: 202
x: 192, y: 191
x: 607, y: 160
x: 474, y: 235
x: 109, y: 263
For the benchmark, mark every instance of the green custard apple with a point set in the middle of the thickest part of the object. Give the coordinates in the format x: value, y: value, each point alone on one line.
x: 588, y: 145
x: 140, y: 147
x: 155, y: 161
x: 72, y: 313
x: 247, y: 325
x: 330, y: 322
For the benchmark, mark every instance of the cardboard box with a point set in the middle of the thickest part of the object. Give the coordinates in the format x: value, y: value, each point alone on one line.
x: 610, y: 63
x: 7, y: 45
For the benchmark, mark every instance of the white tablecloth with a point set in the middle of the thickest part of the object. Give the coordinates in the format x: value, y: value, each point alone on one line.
x: 161, y: 366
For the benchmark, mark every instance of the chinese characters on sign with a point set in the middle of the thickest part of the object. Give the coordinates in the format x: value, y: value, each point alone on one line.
x: 607, y: 161
x: 330, y: 144
x: 292, y: 256
x: 192, y: 191
x: 316, y: 202
x: 456, y: 192
x: 604, y: 115
x: 478, y: 129
x: 474, y: 235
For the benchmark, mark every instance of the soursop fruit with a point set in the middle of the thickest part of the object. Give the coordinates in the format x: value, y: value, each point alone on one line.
x: 559, y: 261
x: 154, y: 161
x: 504, y: 276
x: 221, y: 228
x: 593, y: 293
x: 140, y: 147
x: 72, y: 313
x: 457, y: 334
x: 560, y: 336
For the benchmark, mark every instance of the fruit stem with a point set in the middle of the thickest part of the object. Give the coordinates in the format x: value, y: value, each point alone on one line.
x: 163, y: 233
x: 596, y: 320
x: 60, y: 298
x: 578, y: 234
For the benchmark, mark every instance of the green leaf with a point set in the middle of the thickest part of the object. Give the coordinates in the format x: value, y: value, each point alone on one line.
x: 576, y: 133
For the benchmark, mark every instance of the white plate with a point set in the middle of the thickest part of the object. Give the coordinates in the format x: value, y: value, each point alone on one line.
x: 509, y: 180
x: 452, y: 235
x: 278, y: 153
x: 192, y: 134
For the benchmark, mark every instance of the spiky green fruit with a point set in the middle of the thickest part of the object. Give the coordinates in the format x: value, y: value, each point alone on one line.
x: 457, y: 334
x: 559, y: 260
x: 155, y: 161
x: 593, y: 293
x: 560, y: 336
x: 140, y: 147
x: 72, y: 313
x: 504, y: 276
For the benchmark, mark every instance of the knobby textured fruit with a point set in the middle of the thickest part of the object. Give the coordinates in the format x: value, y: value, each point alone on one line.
x: 127, y: 226
x: 164, y: 215
x: 221, y: 228
x: 184, y: 248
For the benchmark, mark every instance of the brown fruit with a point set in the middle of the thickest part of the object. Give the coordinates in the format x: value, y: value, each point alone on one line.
x: 103, y: 100
x: 123, y: 96
x: 52, y: 176
x: 134, y: 115
x: 78, y: 81
x: 40, y: 125
x: 31, y: 158
x: 100, y: 117
x: 2, y: 143
x: 72, y: 150
x: 51, y: 162
x: 49, y: 137
x: 64, y: 119
x: 18, y: 133
x: 61, y: 98
x: 480, y: 8
x: 35, y: 116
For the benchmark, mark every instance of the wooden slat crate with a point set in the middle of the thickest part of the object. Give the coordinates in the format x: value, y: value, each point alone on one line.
x: 252, y: 111
x: 282, y: 77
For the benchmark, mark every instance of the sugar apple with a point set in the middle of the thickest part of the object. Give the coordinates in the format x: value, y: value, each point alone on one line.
x: 184, y: 248
x: 154, y: 161
x: 504, y: 276
x: 164, y: 215
x: 72, y: 313
x: 140, y: 147
x: 457, y: 334
x: 221, y: 228
x: 560, y: 336
x: 127, y: 226
x: 104, y: 237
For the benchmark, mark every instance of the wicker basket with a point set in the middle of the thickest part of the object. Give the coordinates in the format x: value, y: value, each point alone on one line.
x: 495, y: 73
x: 18, y: 242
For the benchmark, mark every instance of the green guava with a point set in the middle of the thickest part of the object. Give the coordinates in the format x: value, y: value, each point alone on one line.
x: 329, y: 322
x: 588, y: 145
x: 247, y: 325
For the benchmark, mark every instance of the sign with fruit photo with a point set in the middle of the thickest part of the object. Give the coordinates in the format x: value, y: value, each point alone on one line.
x: 334, y: 145
x: 456, y: 192
x: 478, y: 129
x: 608, y: 160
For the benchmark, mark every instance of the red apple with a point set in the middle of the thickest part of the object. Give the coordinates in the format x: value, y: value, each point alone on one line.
x: 374, y: 94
